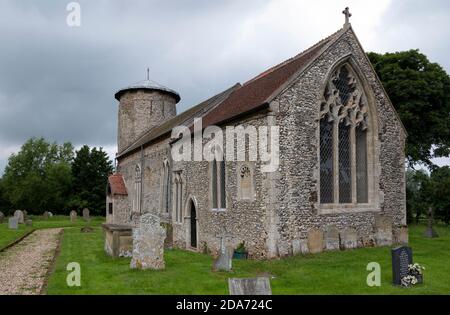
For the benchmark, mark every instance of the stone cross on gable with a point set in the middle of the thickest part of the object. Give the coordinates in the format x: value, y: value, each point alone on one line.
x: 347, y: 14
x: 223, y: 236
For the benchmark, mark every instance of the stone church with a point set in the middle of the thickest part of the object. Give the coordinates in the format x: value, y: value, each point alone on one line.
x: 340, y: 182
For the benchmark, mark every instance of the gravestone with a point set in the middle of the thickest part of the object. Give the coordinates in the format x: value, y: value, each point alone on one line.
x: 2, y: 217
x: 315, y: 241
x: 50, y: 215
x: 25, y: 214
x: 349, y: 239
x: 13, y: 223
x: 148, y: 244
x: 249, y: 286
x: 29, y: 222
x: 331, y: 238
x: 401, y: 258
x: 401, y: 235
x: 73, y: 216
x: 45, y: 215
x: 383, y: 230
x: 224, y: 261
x: 300, y: 247
x: 430, y: 232
x: 19, y: 215
x: 86, y: 214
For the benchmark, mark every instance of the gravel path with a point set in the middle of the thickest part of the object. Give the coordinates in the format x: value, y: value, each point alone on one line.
x: 24, y: 266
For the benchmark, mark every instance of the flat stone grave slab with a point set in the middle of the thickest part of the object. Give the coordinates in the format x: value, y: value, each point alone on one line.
x: 249, y: 286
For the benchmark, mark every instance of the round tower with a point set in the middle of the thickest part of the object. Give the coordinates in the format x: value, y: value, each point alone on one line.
x: 142, y: 106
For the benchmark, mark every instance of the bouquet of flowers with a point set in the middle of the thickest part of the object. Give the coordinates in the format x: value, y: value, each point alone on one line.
x: 415, y: 275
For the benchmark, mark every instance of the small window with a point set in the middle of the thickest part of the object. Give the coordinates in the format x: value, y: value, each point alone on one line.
x: 218, y: 180
x: 110, y: 208
x: 137, y: 189
x: 178, y: 198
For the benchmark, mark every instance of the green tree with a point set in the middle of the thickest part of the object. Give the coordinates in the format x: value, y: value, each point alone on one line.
x: 37, y: 177
x: 5, y: 205
x: 440, y: 181
x: 90, y: 171
x: 418, y: 196
x: 420, y: 92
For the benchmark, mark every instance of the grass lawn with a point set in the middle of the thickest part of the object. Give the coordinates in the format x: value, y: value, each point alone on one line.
x: 190, y: 273
x: 7, y: 236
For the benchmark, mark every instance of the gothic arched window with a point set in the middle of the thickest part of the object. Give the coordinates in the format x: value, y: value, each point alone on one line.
x: 165, y: 187
x: 178, y: 198
x: 137, y: 189
x: 218, y: 180
x: 343, y: 140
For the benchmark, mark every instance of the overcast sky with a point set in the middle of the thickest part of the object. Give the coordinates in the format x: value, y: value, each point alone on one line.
x: 58, y: 81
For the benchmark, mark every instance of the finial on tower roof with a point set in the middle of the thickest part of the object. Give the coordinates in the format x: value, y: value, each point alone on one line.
x: 148, y: 73
x: 347, y: 14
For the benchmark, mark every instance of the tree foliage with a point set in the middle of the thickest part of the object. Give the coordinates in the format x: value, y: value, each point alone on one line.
x: 45, y: 176
x: 420, y: 92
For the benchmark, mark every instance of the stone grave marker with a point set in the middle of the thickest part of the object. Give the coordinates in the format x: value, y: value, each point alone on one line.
x: 86, y: 214
x: 13, y: 223
x: 249, y: 286
x: 45, y: 215
x: 383, y: 230
x: 28, y: 222
x: 300, y: 247
x: 50, y: 215
x: 73, y: 216
x: 401, y: 258
x: 315, y: 241
x: 224, y: 261
x: 430, y: 232
x: 148, y: 243
x: 19, y: 215
x: 349, y: 239
x: 332, y: 238
x: 2, y: 217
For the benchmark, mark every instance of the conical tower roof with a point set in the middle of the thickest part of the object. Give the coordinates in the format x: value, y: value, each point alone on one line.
x: 148, y: 85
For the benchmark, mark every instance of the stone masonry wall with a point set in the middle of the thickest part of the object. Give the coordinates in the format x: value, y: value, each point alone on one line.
x: 298, y: 118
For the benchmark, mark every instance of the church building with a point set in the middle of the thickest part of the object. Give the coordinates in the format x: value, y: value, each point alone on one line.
x: 339, y: 183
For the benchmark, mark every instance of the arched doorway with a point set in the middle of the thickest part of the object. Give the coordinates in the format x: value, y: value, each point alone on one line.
x: 193, y: 224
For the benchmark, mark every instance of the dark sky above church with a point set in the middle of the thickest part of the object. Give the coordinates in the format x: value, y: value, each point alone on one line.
x: 59, y: 82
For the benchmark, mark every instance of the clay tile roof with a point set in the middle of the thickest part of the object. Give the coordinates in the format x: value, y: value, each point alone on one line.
x: 117, y: 185
x: 259, y: 90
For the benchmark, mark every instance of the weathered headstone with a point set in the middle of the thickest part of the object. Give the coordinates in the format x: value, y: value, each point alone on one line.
x: 73, y: 216
x: 300, y: 247
x: 224, y: 261
x: 401, y: 258
x: 19, y: 215
x: 86, y: 214
x: 401, y: 235
x: 50, y: 215
x: 315, y: 241
x: 148, y: 244
x: 29, y: 222
x: 331, y: 238
x: 25, y: 214
x: 249, y: 286
x: 45, y: 215
x: 430, y: 232
x: 383, y: 230
x: 349, y: 239
x: 2, y: 217
x: 13, y: 223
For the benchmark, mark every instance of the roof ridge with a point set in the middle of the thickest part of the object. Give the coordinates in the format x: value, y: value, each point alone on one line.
x: 302, y: 53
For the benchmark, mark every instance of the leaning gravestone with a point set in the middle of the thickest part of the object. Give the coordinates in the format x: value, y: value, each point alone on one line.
x: 73, y: 216
x: 86, y: 214
x: 19, y: 215
x: 249, y: 286
x: 2, y: 217
x: 13, y: 223
x: 383, y: 230
x: 332, y: 238
x: 349, y: 239
x: 148, y: 244
x: 315, y: 241
x: 224, y: 260
x: 401, y: 259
